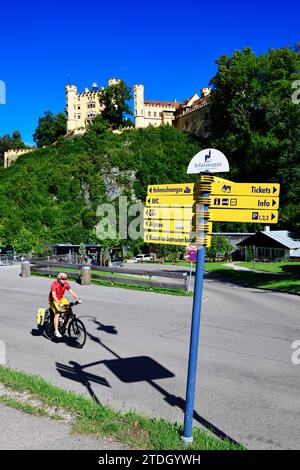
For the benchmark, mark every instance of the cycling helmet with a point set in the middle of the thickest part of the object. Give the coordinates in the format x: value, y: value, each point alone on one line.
x: 62, y: 276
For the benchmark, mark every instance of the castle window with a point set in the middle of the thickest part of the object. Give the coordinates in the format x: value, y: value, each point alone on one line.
x: 91, y: 104
x: 160, y: 114
x: 91, y: 114
x: 78, y: 116
x: 149, y: 113
x: 154, y: 113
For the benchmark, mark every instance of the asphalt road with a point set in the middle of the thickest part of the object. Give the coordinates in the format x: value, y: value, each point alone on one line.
x: 137, y: 353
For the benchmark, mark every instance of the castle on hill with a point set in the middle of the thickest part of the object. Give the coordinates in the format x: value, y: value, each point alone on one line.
x: 81, y: 108
x: 190, y: 116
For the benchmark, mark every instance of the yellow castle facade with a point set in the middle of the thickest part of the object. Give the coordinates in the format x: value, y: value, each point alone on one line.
x: 81, y: 108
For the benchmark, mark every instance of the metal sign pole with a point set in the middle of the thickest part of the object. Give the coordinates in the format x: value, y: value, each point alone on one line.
x: 190, y: 278
x: 196, y: 316
x: 191, y: 381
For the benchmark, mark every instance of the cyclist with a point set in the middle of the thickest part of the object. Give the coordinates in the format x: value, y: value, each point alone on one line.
x: 58, y: 302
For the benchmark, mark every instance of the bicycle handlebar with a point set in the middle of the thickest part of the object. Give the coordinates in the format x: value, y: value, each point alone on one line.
x: 75, y: 303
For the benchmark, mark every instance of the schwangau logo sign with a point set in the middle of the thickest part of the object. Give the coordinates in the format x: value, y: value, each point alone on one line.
x: 208, y: 161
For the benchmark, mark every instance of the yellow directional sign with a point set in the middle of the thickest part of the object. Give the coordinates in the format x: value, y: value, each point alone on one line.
x: 176, y: 226
x: 182, y: 226
x: 169, y: 213
x: 243, y: 215
x: 187, y: 200
x: 173, y: 238
x: 182, y: 189
x: 244, y: 202
x: 167, y: 238
x: 245, y: 189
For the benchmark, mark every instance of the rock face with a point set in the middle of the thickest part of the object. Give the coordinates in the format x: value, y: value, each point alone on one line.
x: 113, y: 186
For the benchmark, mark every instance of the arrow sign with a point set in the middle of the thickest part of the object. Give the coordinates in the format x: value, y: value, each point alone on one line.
x: 169, y: 213
x: 170, y: 238
x: 245, y: 189
x: 181, y: 226
x: 243, y: 215
x: 172, y: 200
x: 244, y: 202
x: 181, y: 189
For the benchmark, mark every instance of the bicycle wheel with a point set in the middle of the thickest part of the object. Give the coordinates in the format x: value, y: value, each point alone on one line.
x: 77, y: 332
x: 48, y: 324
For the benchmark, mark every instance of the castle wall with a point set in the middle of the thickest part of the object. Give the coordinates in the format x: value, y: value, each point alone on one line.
x: 195, y: 122
x: 12, y: 155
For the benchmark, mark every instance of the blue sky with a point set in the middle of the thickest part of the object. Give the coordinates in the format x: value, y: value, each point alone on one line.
x: 170, y: 47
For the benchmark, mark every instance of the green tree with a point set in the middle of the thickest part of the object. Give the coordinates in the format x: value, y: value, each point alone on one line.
x: 114, y: 100
x: 220, y: 247
x: 8, y: 142
x: 82, y: 251
x: 255, y: 122
x: 25, y: 242
x: 50, y: 128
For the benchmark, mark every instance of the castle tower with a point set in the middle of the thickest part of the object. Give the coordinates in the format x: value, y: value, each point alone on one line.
x: 139, y: 106
x: 205, y: 92
x: 71, y: 91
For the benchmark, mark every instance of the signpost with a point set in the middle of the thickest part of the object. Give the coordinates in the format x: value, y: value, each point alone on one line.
x: 175, y: 212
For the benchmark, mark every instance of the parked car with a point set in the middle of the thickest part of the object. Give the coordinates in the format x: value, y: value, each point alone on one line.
x: 141, y: 258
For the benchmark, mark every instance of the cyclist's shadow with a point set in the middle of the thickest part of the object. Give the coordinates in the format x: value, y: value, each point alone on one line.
x: 37, y: 331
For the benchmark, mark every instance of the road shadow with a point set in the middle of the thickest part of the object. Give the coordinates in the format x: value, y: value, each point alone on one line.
x: 133, y: 370
x: 76, y: 372
x: 37, y: 331
x: 110, y: 329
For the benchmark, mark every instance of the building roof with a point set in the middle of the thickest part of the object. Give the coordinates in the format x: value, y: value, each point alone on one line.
x: 162, y: 103
x: 283, y: 237
x: 200, y: 102
x: 295, y: 254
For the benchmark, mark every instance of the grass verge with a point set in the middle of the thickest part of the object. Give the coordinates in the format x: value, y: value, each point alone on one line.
x: 283, y: 267
x: 134, y: 430
x: 281, y: 283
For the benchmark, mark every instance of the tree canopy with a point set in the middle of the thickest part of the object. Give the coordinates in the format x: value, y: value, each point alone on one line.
x: 10, y: 142
x: 50, y: 128
x: 114, y: 99
x: 255, y: 122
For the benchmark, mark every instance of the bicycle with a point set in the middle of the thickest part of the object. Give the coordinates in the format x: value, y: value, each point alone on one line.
x: 76, y: 328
